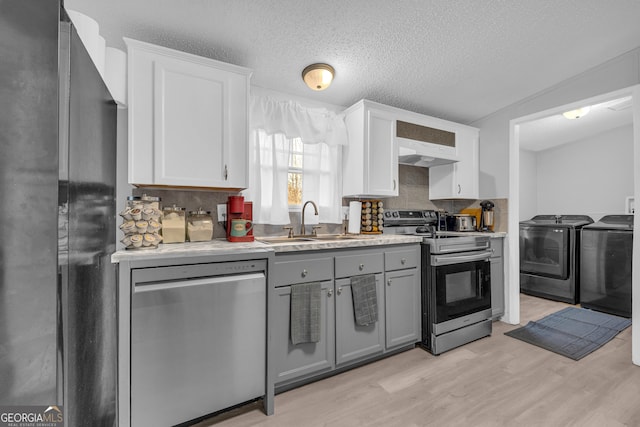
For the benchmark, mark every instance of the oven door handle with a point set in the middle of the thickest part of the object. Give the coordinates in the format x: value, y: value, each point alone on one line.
x: 438, y: 260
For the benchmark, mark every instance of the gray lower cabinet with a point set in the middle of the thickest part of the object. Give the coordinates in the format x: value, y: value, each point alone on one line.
x: 295, y: 361
x: 353, y: 341
x: 497, y: 278
x: 402, y: 307
x: 302, y: 360
x: 402, y: 297
x: 342, y: 341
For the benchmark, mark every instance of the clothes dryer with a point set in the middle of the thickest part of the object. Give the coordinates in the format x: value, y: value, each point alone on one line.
x: 606, y: 254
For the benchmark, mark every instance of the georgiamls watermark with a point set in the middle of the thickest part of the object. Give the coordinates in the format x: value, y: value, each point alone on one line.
x: 31, y: 416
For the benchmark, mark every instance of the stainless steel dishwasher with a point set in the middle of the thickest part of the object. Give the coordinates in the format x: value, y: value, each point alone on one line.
x: 198, y: 340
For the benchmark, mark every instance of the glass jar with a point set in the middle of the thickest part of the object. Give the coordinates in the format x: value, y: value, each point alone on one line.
x: 150, y: 201
x: 199, y: 226
x: 173, y: 224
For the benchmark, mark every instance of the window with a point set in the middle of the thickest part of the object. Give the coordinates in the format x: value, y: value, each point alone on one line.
x: 294, y: 176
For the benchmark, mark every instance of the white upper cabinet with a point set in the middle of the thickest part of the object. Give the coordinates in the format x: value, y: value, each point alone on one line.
x: 458, y: 180
x: 188, y: 119
x: 370, y: 162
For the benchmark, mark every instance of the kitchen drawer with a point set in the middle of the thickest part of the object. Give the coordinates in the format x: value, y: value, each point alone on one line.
x: 400, y: 260
x: 289, y: 272
x: 496, y: 247
x: 355, y: 265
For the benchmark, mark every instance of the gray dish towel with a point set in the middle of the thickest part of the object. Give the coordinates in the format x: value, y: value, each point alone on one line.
x: 365, y: 299
x: 305, y: 313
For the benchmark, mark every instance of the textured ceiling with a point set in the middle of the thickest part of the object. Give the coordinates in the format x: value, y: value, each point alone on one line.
x: 549, y: 132
x: 458, y: 60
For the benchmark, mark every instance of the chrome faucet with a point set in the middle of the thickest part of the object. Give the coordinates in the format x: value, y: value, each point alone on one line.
x: 315, y: 207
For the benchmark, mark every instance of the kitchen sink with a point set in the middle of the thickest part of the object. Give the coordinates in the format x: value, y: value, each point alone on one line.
x: 320, y: 238
x: 274, y: 240
x: 336, y: 237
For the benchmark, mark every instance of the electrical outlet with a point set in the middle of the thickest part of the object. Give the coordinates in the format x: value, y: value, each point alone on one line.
x: 222, y: 212
x: 345, y: 212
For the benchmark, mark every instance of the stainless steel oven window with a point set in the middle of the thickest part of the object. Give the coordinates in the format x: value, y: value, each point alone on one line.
x: 461, y: 286
x: 461, y: 289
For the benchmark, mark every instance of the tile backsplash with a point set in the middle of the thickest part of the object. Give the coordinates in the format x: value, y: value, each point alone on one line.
x: 413, y: 194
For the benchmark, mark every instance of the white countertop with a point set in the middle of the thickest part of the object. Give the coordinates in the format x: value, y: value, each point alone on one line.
x: 220, y: 246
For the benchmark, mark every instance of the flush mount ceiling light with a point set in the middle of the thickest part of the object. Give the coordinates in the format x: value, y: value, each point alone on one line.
x: 576, y: 114
x: 318, y: 76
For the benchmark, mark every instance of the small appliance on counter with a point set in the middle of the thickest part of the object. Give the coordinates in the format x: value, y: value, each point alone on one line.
x: 461, y: 222
x: 486, y: 218
x: 239, y: 220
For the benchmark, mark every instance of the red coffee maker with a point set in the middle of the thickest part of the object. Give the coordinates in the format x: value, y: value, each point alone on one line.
x: 238, y: 209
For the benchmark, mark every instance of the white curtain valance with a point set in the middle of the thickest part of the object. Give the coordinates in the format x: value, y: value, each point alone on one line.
x: 312, y: 125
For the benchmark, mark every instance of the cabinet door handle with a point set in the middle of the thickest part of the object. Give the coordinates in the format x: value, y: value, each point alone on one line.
x: 459, y: 189
x: 361, y: 267
x: 403, y: 261
x: 226, y: 172
x: 304, y: 273
x: 389, y: 282
x: 394, y: 184
x: 329, y: 293
x: 339, y: 290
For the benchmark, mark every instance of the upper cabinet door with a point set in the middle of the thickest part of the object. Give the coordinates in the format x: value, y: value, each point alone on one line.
x: 370, y: 163
x: 188, y: 119
x: 382, y: 152
x: 458, y: 180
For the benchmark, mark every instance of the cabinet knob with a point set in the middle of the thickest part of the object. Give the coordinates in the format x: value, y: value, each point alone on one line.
x: 304, y: 273
x: 403, y: 261
x: 329, y: 293
x: 361, y: 267
x: 389, y: 282
x: 339, y: 290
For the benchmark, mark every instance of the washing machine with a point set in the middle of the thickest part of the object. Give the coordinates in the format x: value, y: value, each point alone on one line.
x: 606, y: 255
x: 549, y: 261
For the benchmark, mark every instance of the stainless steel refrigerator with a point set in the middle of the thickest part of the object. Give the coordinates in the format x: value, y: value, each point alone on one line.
x: 57, y: 191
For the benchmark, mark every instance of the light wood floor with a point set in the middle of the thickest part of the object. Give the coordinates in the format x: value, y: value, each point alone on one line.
x: 495, y: 381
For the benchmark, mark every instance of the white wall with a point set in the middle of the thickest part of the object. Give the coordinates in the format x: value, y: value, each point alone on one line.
x: 588, y: 177
x: 528, y: 185
x: 619, y: 73
x: 496, y: 153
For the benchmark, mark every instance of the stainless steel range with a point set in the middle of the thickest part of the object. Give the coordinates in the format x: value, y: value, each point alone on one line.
x: 456, y: 280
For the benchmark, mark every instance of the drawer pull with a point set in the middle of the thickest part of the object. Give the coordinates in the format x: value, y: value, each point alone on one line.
x: 361, y: 267
x: 403, y: 261
x: 304, y: 273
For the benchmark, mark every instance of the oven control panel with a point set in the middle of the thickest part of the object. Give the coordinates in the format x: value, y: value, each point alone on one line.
x: 405, y: 217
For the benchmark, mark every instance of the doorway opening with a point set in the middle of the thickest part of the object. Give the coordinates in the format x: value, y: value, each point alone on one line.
x: 520, y: 131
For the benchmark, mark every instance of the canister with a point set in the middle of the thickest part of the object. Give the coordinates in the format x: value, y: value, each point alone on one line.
x: 173, y: 224
x: 199, y: 226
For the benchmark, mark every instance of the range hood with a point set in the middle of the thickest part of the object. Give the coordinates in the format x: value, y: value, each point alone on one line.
x: 424, y: 154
